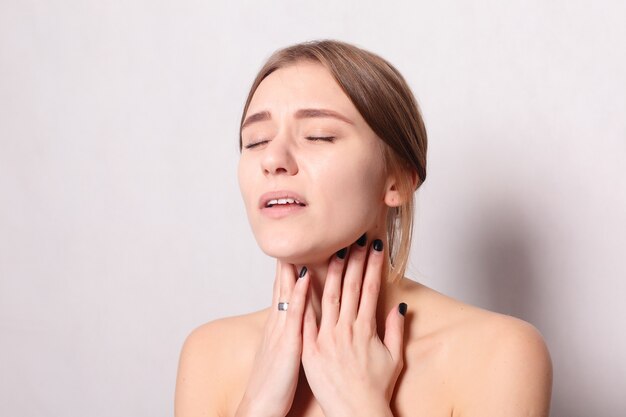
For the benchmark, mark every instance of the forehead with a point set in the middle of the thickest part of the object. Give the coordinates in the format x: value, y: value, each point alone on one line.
x: 303, y: 84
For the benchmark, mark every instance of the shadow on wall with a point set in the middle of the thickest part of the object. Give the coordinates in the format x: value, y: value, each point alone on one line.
x: 507, y: 250
x: 503, y: 250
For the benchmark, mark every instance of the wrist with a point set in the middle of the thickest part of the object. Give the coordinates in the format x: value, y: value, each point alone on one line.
x: 245, y: 409
x: 366, y: 409
x: 380, y: 411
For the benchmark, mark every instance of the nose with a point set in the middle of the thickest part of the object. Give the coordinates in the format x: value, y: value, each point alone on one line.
x: 278, y: 158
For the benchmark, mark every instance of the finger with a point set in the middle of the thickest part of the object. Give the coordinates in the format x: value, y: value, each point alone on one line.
x: 315, y: 295
x: 287, y: 283
x: 371, y: 285
x: 275, y: 293
x: 297, y: 304
x: 394, y: 331
x: 276, y: 290
x: 309, y: 330
x: 331, y: 298
x: 352, y: 282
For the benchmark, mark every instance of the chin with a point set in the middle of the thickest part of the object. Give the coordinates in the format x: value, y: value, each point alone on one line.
x: 297, y: 254
x: 306, y: 245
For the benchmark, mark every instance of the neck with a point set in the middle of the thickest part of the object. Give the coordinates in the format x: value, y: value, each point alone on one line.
x: 387, y: 298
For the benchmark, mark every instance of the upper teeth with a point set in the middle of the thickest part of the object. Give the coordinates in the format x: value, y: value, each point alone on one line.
x: 283, y: 201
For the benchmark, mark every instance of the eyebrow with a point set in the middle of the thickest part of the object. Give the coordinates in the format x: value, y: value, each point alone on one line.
x: 300, y: 114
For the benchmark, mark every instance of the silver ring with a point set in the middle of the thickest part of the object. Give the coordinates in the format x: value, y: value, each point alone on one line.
x: 282, y: 306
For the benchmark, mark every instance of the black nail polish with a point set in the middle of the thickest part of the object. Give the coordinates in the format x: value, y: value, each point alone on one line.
x: 302, y: 272
x: 378, y: 245
x: 362, y: 240
x: 402, y: 308
x: 342, y: 253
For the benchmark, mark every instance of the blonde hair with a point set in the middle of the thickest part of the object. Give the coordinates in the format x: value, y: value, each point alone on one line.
x: 385, y: 101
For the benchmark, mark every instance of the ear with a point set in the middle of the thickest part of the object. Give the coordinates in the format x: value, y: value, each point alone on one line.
x: 395, y: 194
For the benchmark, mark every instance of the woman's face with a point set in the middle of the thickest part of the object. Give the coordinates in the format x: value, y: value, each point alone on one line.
x: 311, y: 170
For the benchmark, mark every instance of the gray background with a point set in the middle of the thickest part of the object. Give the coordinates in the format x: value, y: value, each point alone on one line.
x: 122, y: 227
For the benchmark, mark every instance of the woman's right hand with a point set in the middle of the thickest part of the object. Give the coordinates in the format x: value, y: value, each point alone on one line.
x: 274, y: 378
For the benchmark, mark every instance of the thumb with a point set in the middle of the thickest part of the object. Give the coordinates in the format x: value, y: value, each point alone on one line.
x: 394, y: 331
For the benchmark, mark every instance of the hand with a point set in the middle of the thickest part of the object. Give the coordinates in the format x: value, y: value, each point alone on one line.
x: 272, y: 384
x: 349, y: 369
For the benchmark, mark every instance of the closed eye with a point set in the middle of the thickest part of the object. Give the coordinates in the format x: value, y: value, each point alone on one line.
x: 253, y: 144
x: 324, y: 138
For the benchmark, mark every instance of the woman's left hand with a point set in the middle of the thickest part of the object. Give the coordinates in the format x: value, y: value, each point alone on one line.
x: 349, y: 369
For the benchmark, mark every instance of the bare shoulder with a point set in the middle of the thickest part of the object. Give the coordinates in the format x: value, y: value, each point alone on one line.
x: 506, y: 368
x: 212, y: 360
x: 498, y: 364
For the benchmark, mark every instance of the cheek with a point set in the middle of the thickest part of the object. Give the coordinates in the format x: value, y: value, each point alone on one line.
x: 353, y: 191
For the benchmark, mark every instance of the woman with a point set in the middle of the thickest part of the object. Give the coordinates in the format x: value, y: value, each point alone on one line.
x: 332, y: 150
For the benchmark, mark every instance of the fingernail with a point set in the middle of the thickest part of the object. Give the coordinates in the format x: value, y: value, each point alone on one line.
x: 342, y: 253
x: 402, y: 308
x: 378, y: 245
x: 362, y: 240
x: 302, y: 272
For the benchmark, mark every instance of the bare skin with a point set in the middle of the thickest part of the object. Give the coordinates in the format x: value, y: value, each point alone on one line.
x: 459, y: 361
x: 342, y: 348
